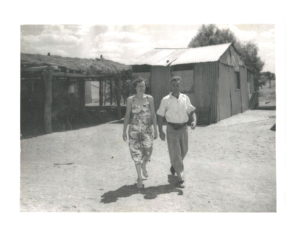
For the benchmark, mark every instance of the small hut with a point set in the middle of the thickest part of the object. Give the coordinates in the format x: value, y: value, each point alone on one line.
x: 214, y: 77
x: 60, y: 92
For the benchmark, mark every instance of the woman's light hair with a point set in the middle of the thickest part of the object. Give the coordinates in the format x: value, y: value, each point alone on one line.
x: 137, y: 80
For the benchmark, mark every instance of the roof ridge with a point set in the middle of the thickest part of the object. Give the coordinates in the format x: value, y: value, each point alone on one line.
x: 173, y: 48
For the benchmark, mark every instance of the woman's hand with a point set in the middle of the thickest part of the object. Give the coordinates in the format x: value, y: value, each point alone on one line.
x: 124, y: 136
x: 155, y: 134
x: 162, y: 135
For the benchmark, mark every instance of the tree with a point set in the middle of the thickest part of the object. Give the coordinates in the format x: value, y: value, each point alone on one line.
x: 267, y: 76
x: 212, y: 35
x: 249, y: 54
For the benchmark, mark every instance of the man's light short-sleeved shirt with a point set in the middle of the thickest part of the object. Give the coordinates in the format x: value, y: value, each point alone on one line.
x: 175, y: 110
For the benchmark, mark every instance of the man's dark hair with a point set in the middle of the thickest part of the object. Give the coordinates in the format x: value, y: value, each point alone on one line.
x: 175, y: 78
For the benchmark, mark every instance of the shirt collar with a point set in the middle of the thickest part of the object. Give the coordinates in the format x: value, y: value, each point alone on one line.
x: 174, y: 96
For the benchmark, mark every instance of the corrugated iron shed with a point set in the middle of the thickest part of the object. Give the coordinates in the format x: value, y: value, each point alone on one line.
x: 167, y: 57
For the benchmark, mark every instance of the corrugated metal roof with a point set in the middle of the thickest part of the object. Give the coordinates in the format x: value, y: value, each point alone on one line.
x: 165, y: 56
x: 158, y: 57
x: 202, y: 54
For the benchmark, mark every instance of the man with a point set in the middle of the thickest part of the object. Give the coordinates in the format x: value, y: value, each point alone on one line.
x: 176, y: 108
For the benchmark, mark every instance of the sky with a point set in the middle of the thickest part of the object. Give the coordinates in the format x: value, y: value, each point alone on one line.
x: 124, y: 43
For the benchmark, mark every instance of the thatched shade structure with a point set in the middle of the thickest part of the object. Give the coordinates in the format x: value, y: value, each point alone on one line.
x: 87, y: 66
x: 60, y: 89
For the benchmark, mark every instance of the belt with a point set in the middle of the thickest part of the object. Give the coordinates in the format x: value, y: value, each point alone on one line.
x: 177, y: 125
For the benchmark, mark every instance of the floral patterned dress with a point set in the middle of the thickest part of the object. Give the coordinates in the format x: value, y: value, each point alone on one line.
x: 140, y: 131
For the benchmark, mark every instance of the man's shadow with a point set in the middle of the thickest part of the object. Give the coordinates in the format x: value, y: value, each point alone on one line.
x: 148, y: 192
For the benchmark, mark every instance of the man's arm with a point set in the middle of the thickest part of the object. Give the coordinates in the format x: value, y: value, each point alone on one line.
x: 194, y: 120
x: 191, y: 110
x: 160, y: 120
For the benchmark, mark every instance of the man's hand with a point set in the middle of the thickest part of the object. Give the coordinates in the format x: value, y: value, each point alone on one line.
x: 193, y: 125
x: 124, y: 136
x: 162, y: 135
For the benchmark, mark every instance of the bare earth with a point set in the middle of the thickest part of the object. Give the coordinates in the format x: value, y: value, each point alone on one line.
x: 230, y: 167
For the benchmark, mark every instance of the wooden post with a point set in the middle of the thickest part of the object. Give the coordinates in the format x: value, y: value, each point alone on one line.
x: 82, y: 93
x: 241, y: 94
x: 48, y: 101
x: 111, y: 91
x: 118, y: 96
x: 100, y: 93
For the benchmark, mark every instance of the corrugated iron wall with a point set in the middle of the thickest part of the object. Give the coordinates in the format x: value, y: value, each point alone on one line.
x: 160, y: 77
x: 206, y: 75
x: 231, y: 58
x: 224, y: 92
x: 244, y: 88
x: 235, y: 95
x: 229, y: 96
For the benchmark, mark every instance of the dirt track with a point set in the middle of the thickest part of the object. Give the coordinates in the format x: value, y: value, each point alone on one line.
x: 230, y: 167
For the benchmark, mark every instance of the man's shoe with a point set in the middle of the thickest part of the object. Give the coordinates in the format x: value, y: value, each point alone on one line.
x: 172, y: 170
x: 180, y: 184
x: 140, y: 184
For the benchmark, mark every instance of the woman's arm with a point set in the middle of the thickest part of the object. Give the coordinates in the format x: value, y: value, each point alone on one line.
x: 153, y: 116
x: 126, y: 118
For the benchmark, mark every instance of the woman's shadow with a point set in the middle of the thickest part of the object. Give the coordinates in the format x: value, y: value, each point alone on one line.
x: 148, y: 192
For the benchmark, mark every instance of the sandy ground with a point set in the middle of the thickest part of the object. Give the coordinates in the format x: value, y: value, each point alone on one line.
x: 230, y: 167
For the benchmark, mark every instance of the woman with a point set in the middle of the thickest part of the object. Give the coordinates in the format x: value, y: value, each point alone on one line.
x: 140, y: 116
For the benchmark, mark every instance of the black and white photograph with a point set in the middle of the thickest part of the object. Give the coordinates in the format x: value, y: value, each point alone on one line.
x: 148, y: 118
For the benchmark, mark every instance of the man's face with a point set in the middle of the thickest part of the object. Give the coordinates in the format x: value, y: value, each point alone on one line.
x: 175, y: 86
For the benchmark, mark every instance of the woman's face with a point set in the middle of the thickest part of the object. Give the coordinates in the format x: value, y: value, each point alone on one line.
x: 140, y: 87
